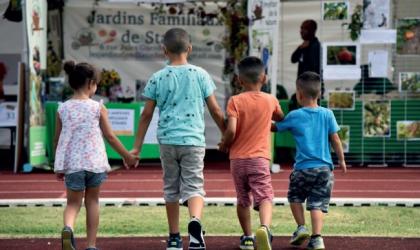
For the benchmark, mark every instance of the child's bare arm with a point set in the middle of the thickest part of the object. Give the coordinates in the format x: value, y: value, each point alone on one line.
x: 58, y: 127
x: 229, y: 135
x: 216, y: 112
x: 278, y: 115
x: 146, y: 117
x: 115, y: 143
x: 336, y: 144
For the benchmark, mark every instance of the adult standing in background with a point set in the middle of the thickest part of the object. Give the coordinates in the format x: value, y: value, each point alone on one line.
x: 307, y: 55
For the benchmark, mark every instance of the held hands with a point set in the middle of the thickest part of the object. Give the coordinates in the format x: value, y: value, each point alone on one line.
x: 223, y: 147
x: 132, y: 159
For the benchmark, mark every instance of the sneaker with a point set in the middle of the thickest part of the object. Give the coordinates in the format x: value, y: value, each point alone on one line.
x: 174, y: 243
x: 196, y: 235
x: 67, y: 239
x: 299, y: 236
x: 264, y: 238
x: 247, y: 243
x: 316, y: 243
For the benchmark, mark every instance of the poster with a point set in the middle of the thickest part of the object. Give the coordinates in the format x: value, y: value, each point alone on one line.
x: 376, y: 14
x: 263, y: 31
x: 122, y: 121
x: 378, y: 63
x: 341, y: 61
x: 8, y: 114
x: 344, y: 134
x: 341, y: 100
x: 335, y: 10
x: 408, y: 130
x: 127, y: 37
x: 408, y: 36
x: 409, y: 82
x: 377, y: 118
x: 36, y: 30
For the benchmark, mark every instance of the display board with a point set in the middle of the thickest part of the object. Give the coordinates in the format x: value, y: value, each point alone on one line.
x: 126, y: 37
x: 390, y: 148
x: 36, y: 30
x: 149, y: 151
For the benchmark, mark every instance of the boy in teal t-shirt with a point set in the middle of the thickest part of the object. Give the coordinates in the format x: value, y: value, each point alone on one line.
x: 313, y: 128
x: 180, y: 91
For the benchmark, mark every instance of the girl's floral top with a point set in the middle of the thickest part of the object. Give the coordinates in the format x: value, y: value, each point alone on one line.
x: 80, y: 146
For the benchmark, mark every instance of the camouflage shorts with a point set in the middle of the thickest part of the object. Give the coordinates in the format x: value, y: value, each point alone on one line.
x: 313, y: 185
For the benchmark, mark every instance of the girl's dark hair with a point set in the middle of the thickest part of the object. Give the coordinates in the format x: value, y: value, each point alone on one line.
x: 79, y: 74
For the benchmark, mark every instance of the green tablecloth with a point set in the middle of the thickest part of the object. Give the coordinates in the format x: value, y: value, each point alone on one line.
x: 149, y: 151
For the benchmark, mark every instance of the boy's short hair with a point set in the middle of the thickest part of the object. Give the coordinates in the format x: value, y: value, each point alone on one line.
x: 250, y: 69
x: 310, y: 84
x: 176, y: 41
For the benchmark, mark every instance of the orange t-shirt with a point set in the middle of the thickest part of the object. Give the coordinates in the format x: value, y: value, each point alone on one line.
x: 254, y: 111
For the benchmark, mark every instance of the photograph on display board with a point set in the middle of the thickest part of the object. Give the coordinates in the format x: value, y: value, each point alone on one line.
x: 341, y: 100
x: 336, y: 10
x: 408, y: 130
x: 344, y: 134
x: 376, y: 14
x: 377, y: 118
x: 409, y: 82
x: 341, y: 54
x: 408, y: 36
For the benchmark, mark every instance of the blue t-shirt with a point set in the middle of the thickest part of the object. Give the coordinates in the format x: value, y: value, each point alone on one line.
x: 180, y: 93
x: 311, y: 128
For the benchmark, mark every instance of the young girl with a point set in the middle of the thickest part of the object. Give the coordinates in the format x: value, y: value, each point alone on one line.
x: 80, y: 157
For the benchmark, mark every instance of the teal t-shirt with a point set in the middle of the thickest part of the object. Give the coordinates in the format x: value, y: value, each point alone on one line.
x: 311, y: 128
x: 180, y: 93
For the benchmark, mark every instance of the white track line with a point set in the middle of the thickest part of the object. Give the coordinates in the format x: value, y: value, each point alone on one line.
x: 220, y: 201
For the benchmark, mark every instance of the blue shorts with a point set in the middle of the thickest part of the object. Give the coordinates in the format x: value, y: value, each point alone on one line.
x: 79, y: 181
x: 313, y: 185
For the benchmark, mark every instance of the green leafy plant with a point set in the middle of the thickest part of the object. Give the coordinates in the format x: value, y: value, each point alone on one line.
x: 356, y: 23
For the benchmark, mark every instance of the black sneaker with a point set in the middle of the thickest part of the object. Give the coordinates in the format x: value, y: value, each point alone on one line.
x: 247, y: 243
x: 67, y: 239
x: 196, y: 235
x: 174, y: 243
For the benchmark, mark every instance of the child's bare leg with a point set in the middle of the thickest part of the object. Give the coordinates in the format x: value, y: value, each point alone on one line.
x: 317, y: 221
x: 92, y: 214
x: 266, y: 213
x: 195, y: 206
x: 172, y: 214
x: 244, y: 216
x: 298, y: 213
x: 74, y: 202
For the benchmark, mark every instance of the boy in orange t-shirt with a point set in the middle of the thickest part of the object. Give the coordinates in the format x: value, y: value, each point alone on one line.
x: 247, y: 138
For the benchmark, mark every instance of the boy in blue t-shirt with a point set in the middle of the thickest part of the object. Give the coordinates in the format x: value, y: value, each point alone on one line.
x: 313, y: 128
x: 180, y: 91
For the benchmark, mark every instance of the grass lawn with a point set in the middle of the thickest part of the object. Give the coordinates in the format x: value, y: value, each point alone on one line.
x: 151, y: 221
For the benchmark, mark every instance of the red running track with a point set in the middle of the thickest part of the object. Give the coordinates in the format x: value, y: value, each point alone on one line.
x: 145, y: 182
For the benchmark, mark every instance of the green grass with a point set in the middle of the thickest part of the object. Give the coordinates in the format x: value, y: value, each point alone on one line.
x: 151, y: 221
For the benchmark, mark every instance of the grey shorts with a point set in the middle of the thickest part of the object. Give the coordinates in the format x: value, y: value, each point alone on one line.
x: 79, y: 181
x: 183, y: 176
x: 313, y: 185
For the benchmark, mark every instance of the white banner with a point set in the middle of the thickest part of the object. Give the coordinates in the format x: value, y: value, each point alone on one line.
x: 127, y: 38
x: 264, y: 16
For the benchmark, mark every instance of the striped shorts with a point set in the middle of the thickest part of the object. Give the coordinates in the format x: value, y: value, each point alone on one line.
x: 252, y: 181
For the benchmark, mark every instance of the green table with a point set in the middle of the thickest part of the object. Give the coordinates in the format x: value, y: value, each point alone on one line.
x: 149, y: 151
